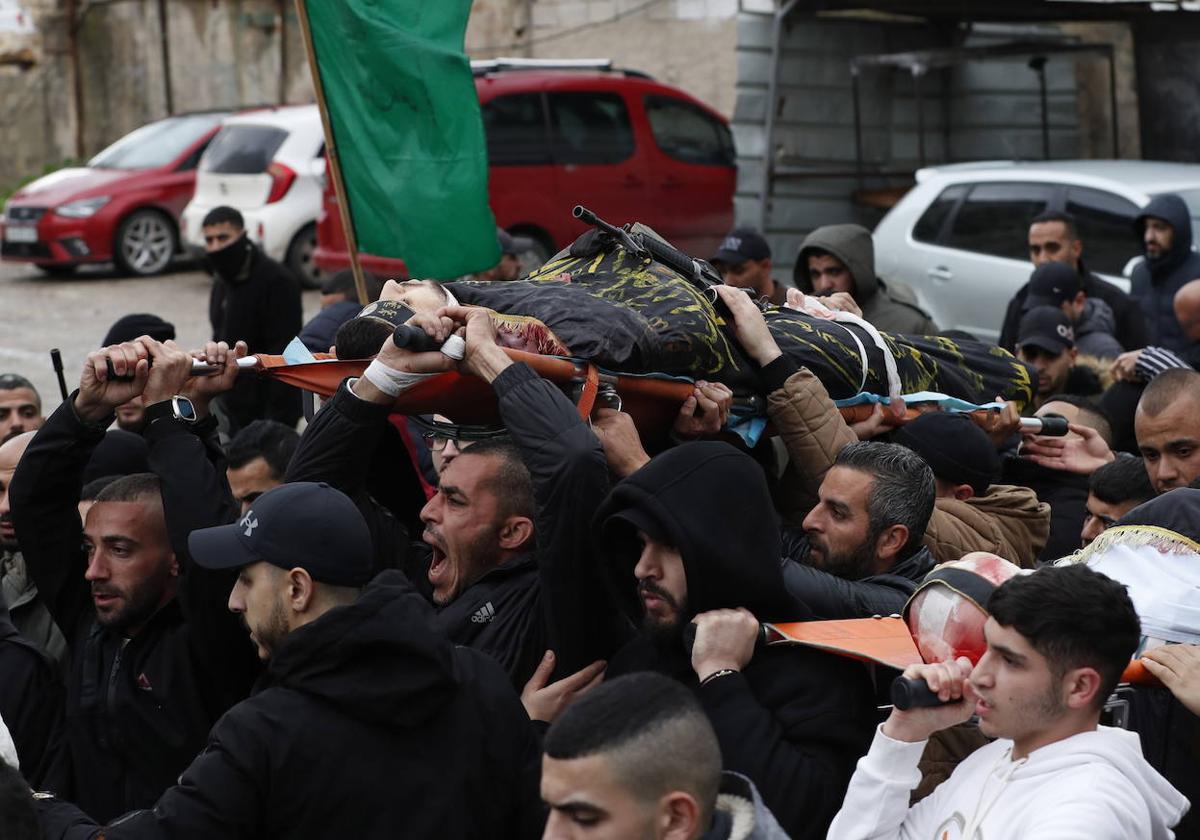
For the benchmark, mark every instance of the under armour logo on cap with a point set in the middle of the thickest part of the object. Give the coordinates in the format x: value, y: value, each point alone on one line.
x: 248, y: 523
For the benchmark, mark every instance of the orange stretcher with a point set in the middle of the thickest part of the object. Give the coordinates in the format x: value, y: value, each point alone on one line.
x: 652, y: 401
x: 884, y: 641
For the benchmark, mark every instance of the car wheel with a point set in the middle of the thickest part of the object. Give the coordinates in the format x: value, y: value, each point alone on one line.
x: 299, y: 259
x: 60, y: 270
x: 146, y: 243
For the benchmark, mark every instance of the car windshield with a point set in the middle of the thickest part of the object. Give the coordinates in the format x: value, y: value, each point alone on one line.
x: 1192, y: 199
x: 156, y: 144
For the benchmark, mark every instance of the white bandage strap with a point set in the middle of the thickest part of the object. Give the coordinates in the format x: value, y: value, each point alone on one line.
x: 391, y: 381
x: 455, y: 347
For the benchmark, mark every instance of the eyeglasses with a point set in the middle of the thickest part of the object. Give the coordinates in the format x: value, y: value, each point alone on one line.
x: 436, y: 443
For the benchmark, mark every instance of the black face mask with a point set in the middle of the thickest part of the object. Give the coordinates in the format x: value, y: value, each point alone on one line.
x: 229, y: 261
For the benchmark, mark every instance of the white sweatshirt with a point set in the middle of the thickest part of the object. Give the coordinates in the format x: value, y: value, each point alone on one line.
x: 1091, y: 786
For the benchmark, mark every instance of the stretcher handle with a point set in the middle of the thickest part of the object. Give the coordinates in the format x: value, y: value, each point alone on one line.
x: 912, y: 694
x: 199, y: 368
x: 1052, y: 426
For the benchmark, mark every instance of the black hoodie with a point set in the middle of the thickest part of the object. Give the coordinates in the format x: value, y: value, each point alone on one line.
x: 365, y: 725
x: 795, y: 720
x: 1156, y: 280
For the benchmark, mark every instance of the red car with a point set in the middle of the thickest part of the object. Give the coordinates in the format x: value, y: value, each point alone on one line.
x: 624, y: 145
x: 123, y: 207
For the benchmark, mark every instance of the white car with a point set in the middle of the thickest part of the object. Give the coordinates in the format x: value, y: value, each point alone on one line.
x: 959, y: 237
x: 270, y: 166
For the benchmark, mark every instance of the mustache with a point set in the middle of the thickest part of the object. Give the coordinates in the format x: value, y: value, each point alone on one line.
x: 648, y: 586
x: 433, y: 535
x: 108, y: 591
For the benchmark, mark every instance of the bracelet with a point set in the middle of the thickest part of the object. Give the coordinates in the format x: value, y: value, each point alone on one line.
x: 389, y: 380
x: 724, y: 672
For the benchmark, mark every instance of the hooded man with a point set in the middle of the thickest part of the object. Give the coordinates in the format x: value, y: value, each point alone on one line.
x: 438, y: 744
x: 1165, y: 227
x: 692, y: 538
x: 256, y: 300
x: 841, y: 258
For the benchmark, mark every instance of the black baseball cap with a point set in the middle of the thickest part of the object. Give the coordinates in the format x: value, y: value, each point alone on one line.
x: 302, y: 525
x: 740, y: 245
x: 1046, y: 328
x: 1051, y: 284
x: 513, y: 245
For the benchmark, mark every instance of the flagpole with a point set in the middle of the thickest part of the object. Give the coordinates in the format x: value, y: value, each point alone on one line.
x: 334, y: 168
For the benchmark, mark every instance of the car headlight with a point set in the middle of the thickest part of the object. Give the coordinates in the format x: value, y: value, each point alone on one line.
x: 83, y: 208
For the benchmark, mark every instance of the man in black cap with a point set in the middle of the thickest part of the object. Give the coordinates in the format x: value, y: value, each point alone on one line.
x: 1057, y: 284
x: 441, y: 745
x: 971, y: 513
x: 744, y: 260
x: 1054, y: 237
x: 1046, y: 341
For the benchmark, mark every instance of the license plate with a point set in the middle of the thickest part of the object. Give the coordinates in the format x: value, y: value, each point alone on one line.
x: 20, y: 233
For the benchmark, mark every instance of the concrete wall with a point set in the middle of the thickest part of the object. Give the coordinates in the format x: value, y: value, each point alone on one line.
x: 687, y: 43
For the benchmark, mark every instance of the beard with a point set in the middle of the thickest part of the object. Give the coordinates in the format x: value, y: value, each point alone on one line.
x: 856, y: 564
x: 139, y: 602
x: 271, y: 632
x: 665, y: 632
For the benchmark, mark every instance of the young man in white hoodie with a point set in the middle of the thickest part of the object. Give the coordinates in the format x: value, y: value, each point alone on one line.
x: 1057, y: 642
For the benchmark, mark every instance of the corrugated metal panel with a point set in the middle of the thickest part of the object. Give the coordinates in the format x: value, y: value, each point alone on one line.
x: 992, y: 109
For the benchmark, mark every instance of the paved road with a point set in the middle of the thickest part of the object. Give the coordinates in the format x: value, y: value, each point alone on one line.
x: 39, y: 312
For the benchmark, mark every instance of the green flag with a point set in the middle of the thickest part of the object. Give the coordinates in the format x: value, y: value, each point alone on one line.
x: 405, y: 119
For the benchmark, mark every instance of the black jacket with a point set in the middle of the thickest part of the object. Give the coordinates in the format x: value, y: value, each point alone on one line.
x: 137, y: 710
x: 518, y: 610
x: 31, y: 701
x: 795, y: 720
x: 1066, y: 494
x: 1155, y: 281
x: 830, y: 597
x: 261, y: 307
x: 319, y: 333
x: 1131, y: 320
x: 366, y: 724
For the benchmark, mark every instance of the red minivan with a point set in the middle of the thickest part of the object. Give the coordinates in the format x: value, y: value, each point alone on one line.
x: 561, y: 134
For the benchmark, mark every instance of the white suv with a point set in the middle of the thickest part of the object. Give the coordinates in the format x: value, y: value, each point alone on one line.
x: 959, y: 237
x: 270, y: 166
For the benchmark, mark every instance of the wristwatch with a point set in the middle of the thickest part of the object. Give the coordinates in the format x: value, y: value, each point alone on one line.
x: 178, y: 406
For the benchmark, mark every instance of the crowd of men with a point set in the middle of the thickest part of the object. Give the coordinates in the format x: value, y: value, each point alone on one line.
x: 212, y: 625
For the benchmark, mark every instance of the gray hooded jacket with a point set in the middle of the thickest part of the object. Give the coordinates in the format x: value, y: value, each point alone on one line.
x: 891, y: 309
x: 741, y: 813
x: 1094, y: 331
